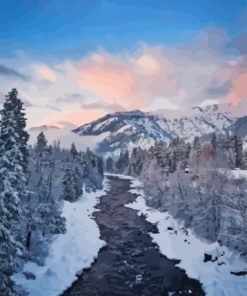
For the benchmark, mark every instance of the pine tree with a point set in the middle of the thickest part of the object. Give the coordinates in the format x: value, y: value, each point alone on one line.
x: 214, y: 142
x: 100, y: 166
x: 41, y: 145
x: 123, y: 161
x: 73, y: 150
x: 72, y: 188
x: 77, y: 183
x: 41, y: 149
x: 109, y: 165
x: 197, y: 148
x: 238, y: 145
x: 13, y: 187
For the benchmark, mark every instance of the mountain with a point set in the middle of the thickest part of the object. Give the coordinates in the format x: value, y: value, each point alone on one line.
x: 126, y: 130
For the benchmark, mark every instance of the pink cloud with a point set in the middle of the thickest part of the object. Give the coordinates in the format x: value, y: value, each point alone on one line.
x: 76, y: 117
x: 146, y: 78
x: 108, y: 78
x: 45, y: 72
x: 238, y: 91
x: 131, y: 81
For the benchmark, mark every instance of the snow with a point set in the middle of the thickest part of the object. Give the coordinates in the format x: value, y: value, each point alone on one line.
x: 69, y: 253
x: 182, y: 244
x: 238, y: 173
x: 103, y: 124
x: 125, y: 177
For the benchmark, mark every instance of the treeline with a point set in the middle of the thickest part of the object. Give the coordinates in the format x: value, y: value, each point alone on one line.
x: 193, y: 181
x: 34, y: 181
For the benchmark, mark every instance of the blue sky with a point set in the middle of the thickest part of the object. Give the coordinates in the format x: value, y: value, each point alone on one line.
x: 62, y: 29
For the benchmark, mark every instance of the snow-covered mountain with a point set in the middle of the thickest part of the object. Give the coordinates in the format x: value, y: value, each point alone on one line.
x: 125, y: 130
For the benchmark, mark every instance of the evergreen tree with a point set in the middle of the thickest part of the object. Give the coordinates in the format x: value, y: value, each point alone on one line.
x: 109, y: 165
x: 238, y: 145
x: 197, y: 147
x: 100, y: 166
x: 214, y: 142
x: 13, y: 187
x: 72, y: 188
x: 77, y: 183
x: 73, y: 150
x: 123, y: 161
x: 41, y: 145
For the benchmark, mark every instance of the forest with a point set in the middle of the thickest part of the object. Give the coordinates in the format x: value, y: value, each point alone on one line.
x: 34, y: 182
x: 195, y: 182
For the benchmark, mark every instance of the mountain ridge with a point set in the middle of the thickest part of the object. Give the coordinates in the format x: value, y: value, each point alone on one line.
x: 137, y: 128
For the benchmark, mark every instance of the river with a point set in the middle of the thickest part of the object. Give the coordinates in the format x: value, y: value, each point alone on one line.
x: 130, y: 264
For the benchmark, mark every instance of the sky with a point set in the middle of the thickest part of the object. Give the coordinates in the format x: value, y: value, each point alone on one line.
x: 75, y: 61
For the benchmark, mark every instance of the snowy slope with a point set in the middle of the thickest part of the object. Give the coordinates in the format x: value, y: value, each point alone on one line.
x: 176, y: 242
x: 201, y: 121
x: 126, y: 131
x: 131, y: 129
x: 69, y: 253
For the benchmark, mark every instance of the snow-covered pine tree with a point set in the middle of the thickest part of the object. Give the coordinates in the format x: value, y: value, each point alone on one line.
x: 238, y: 144
x: 71, y: 183
x: 13, y: 185
x: 214, y: 142
x: 73, y: 150
x: 77, y: 182
x: 68, y: 186
x: 197, y: 151
x: 21, y: 125
x: 41, y: 144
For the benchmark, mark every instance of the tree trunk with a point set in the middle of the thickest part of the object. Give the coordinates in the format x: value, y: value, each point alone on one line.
x: 28, y: 241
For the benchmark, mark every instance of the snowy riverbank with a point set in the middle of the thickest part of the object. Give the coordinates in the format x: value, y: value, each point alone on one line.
x: 69, y: 253
x: 177, y: 243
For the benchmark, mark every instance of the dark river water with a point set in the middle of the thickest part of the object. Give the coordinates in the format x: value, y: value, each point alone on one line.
x: 130, y: 264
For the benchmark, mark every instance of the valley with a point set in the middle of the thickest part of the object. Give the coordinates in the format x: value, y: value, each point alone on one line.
x: 130, y: 264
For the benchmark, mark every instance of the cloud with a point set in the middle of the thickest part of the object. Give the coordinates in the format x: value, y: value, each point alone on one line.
x: 9, y: 72
x: 217, y: 90
x: 27, y: 104
x: 239, y: 42
x: 103, y: 106
x: 51, y: 107
x: 87, y: 103
x: 238, y: 92
x: 67, y: 125
x: 71, y: 98
x: 76, y: 117
x: 44, y: 72
x: 208, y: 68
x: 107, y: 77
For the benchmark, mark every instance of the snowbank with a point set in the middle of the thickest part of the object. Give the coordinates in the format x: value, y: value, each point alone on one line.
x: 69, y: 253
x: 238, y: 173
x: 125, y: 177
x: 177, y: 243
